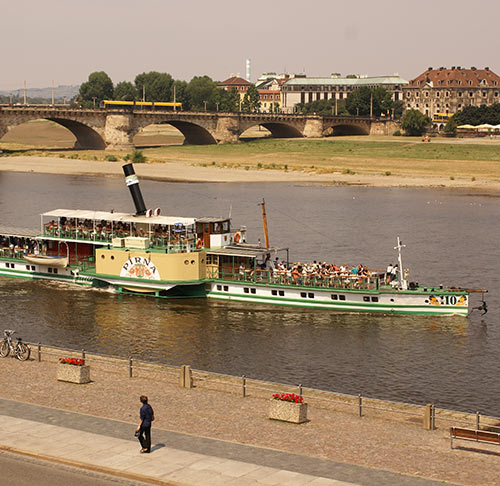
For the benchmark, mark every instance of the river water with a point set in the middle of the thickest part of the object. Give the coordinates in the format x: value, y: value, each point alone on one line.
x: 451, y: 237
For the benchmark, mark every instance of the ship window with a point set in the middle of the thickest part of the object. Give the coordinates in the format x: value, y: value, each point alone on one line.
x: 303, y: 295
x: 366, y: 298
x: 310, y: 295
x: 226, y: 288
x: 112, y: 257
x: 27, y: 267
x: 374, y: 299
x: 246, y: 290
x: 55, y: 270
x: 392, y: 300
x: 192, y: 262
x: 33, y: 267
x: 341, y: 297
x: 186, y: 262
x: 7, y: 265
x: 103, y: 257
x: 253, y: 291
x: 334, y: 297
x: 274, y: 292
x: 282, y: 293
x: 426, y: 301
x: 219, y: 287
x: 50, y: 270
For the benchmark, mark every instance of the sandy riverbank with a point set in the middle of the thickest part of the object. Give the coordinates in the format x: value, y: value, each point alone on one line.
x: 188, y: 172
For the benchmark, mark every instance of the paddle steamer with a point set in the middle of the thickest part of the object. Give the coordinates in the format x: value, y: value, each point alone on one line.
x: 164, y: 256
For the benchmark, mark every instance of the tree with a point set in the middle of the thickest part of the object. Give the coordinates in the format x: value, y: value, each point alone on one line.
x: 227, y: 101
x: 361, y: 100
x: 157, y: 86
x: 201, y: 91
x: 451, y: 127
x: 125, y: 91
x: 98, y: 87
x: 251, y: 100
x: 181, y: 95
x: 414, y: 123
x: 477, y: 115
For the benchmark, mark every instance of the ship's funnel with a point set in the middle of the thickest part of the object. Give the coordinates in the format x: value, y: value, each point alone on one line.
x: 133, y: 184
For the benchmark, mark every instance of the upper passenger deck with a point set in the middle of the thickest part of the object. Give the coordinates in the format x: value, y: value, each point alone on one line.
x: 170, y: 233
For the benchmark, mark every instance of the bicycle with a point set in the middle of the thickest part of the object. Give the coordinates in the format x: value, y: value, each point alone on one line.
x: 20, y: 349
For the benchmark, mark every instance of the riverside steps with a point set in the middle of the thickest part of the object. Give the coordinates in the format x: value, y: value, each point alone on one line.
x: 212, y: 434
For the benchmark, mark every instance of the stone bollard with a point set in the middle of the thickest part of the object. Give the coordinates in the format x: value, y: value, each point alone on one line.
x: 428, y: 417
x: 186, y: 377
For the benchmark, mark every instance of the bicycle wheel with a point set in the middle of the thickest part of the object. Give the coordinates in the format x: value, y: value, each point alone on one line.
x: 4, y: 349
x: 23, y: 351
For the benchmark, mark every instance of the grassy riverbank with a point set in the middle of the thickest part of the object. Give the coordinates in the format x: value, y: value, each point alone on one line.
x: 448, y: 162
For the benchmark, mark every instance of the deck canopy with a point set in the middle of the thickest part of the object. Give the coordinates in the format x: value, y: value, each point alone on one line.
x: 117, y: 217
x: 18, y: 232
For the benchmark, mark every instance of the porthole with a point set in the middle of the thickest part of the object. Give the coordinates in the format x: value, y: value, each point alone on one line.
x: 103, y: 257
x: 202, y: 260
x: 112, y: 257
x: 186, y: 262
x: 192, y: 262
x: 392, y: 300
x: 426, y: 301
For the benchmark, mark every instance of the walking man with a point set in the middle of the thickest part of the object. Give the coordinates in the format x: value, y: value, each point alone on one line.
x: 144, y: 428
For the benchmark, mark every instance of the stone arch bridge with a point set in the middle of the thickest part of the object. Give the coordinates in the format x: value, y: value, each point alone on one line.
x: 115, y: 129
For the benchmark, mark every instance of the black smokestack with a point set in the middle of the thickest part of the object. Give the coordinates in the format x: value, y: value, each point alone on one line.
x: 133, y: 184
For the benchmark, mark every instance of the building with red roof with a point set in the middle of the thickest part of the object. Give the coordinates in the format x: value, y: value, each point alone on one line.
x: 235, y: 82
x: 447, y: 91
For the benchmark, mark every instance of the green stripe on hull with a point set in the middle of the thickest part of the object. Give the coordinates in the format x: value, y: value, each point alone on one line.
x: 345, y: 307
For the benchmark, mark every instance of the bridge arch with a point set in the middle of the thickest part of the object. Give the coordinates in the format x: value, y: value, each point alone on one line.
x: 277, y: 129
x: 194, y: 134
x: 86, y: 137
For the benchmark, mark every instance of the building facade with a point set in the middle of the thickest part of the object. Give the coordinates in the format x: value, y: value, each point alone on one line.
x: 305, y: 90
x: 235, y: 82
x: 445, y: 91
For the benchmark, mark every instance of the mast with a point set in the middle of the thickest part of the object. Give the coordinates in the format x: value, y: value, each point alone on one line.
x: 402, y: 282
x: 264, y: 221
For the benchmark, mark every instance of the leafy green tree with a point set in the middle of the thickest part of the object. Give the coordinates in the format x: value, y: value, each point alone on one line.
x: 251, y: 100
x: 125, y: 91
x: 477, y: 115
x: 227, y: 101
x: 98, y: 87
x: 450, y: 128
x: 181, y: 95
x: 157, y: 86
x: 359, y: 101
x: 414, y: 123
x: 201, y: 91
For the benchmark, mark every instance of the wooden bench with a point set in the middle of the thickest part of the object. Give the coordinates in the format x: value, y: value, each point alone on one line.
x: 475, y: 435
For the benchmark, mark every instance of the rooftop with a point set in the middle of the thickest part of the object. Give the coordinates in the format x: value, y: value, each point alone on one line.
x: 377, y: 80
x: 457, y: 76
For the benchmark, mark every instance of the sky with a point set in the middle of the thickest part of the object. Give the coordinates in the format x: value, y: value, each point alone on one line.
x: 66, y: 40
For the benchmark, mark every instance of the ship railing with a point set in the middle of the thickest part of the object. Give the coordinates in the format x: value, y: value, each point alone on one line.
x: 171, y: 245
x: 347, y: 282
x: 13, y: 254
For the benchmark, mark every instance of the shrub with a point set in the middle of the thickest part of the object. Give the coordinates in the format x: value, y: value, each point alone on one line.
x: 387, y: 172
x: 452, y: 178
x: 397, y: 133
x: 136, y: 156
x: 110, y: 158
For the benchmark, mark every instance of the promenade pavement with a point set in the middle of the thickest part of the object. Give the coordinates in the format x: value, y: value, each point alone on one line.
x: 108, y: 446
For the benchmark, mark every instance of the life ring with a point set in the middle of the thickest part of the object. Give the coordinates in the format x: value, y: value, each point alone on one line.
x: 237, y: 237
x: 199, y: 244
